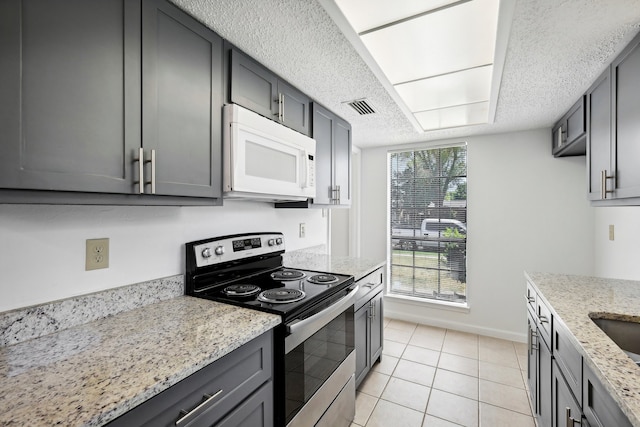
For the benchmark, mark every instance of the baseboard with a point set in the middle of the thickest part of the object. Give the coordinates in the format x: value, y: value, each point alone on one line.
x: 458, y: 326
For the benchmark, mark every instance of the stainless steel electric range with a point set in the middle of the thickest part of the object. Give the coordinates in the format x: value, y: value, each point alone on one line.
x: 314, y: 361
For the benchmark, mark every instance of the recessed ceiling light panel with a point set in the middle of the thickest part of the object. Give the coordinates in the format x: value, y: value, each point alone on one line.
x: 462, y: 87
x: 452, y: 39
x: 462, y: 115
x: 367, y: 14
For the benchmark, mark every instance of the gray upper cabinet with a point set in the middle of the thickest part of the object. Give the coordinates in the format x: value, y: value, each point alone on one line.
x: 613, y: 131
x: 569, y: 134
x: 626, y: 118
x: 86, y: 88
x: 255, y: 87
x: 69, y: 95
x: 599, y: 135
x: 181, y: 103
x: 333, y: 158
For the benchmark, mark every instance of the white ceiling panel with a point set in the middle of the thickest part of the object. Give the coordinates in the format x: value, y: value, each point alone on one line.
x: 463, y: 115
x: 464, y: 87
x: 367, y: 14
x: 452, y: 39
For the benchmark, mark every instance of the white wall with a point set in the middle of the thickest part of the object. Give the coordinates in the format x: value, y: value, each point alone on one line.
x: 527, y: 211
x: 42, y: 248
x: 618, y: 258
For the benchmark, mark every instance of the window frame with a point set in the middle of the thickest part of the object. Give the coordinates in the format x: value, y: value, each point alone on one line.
x: 412, y: 297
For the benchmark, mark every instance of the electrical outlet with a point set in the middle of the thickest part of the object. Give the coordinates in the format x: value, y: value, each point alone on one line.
x: 302, y: 230
x: 97, y: 255
x: 611, y: 235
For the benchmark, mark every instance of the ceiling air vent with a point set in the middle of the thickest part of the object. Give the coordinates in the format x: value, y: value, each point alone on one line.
x: 361, y: 106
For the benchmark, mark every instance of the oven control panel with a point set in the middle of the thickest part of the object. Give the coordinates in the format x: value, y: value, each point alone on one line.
x: 237, y: 247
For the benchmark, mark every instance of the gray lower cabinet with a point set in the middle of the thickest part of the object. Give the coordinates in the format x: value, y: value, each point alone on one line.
x: 333, y: 158
x: 540, y: 370
x: 545, y: 409
x: 369, y: 323
x: 598, y: 406
x: 120, y: 97
x: 255, y: 87
x: 564, y: 391
x: 236, y: 390
x: 566, y: 410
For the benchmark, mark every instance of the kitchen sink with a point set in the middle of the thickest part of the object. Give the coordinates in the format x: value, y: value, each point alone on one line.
x: 625, y: 333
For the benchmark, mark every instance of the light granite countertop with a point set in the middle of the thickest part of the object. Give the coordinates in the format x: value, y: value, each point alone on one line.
x: 573, y: 299
x: 89, y: 374
x: 310, y: 260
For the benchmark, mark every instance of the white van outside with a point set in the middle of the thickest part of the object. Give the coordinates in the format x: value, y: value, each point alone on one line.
x: 432, y: 235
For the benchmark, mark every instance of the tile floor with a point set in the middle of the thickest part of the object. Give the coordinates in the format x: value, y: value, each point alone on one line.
x: 433, y: 377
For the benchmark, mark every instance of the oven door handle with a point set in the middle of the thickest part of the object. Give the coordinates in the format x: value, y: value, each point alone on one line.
x: 303, y: 329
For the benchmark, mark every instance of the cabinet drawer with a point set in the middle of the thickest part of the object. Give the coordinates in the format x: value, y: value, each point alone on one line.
x: 225, y: 382
x: 568, y: 358
x: 369, y: 286
x: 544, y: 321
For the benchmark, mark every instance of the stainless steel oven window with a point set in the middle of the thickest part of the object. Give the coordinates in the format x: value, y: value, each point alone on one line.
x: 311, y: 363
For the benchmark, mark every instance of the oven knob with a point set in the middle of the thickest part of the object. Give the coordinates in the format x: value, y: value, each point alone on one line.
x: 206, y: 253
x: 279, y: 241
x: 220, y: 250
x: 271, y: 242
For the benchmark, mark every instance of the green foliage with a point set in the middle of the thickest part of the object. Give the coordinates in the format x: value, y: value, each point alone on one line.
x: 423, y: 179
x: 453, y: 248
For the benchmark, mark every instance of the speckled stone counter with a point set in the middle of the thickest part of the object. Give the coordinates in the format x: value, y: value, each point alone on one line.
x: 89, y: 374
x: 310, y: 260
x: 573, y: 299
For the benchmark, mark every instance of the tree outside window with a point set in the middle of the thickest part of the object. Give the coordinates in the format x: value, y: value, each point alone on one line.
x: 427, y: 224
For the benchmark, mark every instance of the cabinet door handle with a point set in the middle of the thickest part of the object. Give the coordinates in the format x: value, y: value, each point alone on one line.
x: 153, y: 171
x: 140, y: 161
x: 543, y: 319
x: 282, y: 107
x: 530, y: 299
x: 187, y: 417
x: 603, y: 184
x: 570, y: 420
x: 532, y: 335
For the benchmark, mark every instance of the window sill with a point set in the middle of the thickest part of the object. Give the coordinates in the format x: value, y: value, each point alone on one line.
x: 424, y: 302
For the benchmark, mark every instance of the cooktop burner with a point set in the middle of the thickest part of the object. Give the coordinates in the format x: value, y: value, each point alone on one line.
x: 241, y: 290
x: 287, y: 275
x: 281, y: 295
x: 323, y: 279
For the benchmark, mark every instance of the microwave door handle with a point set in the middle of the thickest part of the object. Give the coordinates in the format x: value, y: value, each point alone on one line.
x: 305, y: 175
x: 303, y: 329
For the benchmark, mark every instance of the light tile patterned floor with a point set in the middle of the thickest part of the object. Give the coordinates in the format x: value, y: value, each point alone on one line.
x: 433, y: 377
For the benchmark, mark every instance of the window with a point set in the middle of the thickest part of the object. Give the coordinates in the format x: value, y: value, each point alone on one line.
x: 428, y: 223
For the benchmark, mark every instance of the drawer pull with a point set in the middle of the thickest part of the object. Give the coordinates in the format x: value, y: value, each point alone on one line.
x: 530, y: 299
x: 187, y: 417
x: 543, y: 319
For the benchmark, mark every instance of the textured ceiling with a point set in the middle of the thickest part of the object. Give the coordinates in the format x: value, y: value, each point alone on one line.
x: 556, y: 50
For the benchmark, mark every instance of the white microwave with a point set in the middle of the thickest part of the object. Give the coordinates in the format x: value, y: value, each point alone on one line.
x: 264, y: 159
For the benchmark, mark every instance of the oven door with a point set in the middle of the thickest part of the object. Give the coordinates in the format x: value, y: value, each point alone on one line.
x: 320, y: 366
